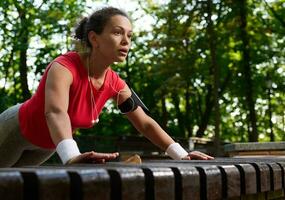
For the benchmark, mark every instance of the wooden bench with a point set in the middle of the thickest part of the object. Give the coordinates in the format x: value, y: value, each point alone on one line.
x: 222, y: 178
x: 255, y: 149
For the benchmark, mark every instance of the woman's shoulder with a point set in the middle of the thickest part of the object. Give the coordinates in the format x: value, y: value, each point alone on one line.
x: 70, y: 58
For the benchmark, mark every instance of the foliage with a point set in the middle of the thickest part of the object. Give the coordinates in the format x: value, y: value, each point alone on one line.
x: 169, y: 67
x: 33, y: 32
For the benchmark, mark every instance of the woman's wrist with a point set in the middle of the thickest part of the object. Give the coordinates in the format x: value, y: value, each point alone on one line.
x: 176, y: 151
x: 67, y: 149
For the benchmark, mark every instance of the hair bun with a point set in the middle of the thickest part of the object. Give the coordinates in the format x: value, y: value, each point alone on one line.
x: 80, y: 29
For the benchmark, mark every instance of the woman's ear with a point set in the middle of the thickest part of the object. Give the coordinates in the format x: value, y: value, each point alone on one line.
x: 92, y: 37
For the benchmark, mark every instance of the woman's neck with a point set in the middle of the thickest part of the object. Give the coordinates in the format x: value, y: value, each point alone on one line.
x: 95, y: 66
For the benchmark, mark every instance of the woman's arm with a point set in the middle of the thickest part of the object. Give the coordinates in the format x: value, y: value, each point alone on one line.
x: 152, y: 130
x: 57, y: 88
x: 149, y: 128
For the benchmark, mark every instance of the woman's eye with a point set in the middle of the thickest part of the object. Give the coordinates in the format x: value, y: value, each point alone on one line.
x: 118, y: 33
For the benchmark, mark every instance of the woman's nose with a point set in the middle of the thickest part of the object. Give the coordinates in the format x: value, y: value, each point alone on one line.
x: 126, y: 40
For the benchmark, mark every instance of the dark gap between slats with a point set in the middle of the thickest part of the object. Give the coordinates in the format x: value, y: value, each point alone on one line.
x: 31, y: 188
x: 242, y: 179
x: 203, y: 183
x: 76, y: 192
x: 271, y: 177
x: 116, y: 185
x: 149, y: 184
x: 178, y: 183
x: 258, y: 174
x: 224, y: 182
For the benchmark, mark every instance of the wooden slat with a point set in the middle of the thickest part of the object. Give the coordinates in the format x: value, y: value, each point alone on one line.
x: 262, y: 177
x: 44, y: 184
x: 282, y: 166
x: 89, y: 184
x: 159, y: 183
x: 127, y: 183
x: 187, y: 182
x: 11, y: 185
x: 231, y: 181
x: 248, y: 179
x: 211, y: 182
x: 275, y: 176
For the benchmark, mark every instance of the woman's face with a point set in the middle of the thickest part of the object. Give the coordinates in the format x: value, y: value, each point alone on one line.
x: 114, y: 42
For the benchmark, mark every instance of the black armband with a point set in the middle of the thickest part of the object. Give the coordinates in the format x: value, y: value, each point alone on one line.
x: 132, y: 104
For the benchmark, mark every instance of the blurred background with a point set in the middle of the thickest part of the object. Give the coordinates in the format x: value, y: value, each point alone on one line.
x: 211, y: 72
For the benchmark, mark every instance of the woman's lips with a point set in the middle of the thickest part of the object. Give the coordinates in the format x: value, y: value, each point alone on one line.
x: 123, y: 51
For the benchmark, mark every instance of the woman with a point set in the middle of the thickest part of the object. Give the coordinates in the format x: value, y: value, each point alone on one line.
x: 71, y: 95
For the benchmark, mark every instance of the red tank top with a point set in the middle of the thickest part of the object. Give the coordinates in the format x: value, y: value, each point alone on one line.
x: 32, y: 120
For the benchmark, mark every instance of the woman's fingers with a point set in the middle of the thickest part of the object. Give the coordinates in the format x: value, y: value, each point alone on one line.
x: 202, y: 155
x: 197, y: 155
x: 93, y: 157
x: 107, y: 156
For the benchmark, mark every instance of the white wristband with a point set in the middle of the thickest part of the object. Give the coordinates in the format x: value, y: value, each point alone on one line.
x: 67, y: 149
x: 176, y: 151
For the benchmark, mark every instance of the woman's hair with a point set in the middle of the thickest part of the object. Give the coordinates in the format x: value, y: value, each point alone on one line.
x: 95, y: 22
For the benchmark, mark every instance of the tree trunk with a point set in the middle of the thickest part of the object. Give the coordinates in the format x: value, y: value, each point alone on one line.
x: 209, y: 106
x: 252, y: 135
x: 179, y: 115
x: 206, y: 114
x: 269, y: 92
x: 164, y: 113
x: 215, y: 67
x: 272, y: 139
x: 188, y: 122
x: 24, y: 44
x: 23, y: 74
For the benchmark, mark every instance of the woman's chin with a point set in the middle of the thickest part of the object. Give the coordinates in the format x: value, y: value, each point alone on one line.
x: 120, y: 59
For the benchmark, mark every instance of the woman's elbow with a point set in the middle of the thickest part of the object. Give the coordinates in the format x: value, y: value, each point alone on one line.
x: 51, y: 113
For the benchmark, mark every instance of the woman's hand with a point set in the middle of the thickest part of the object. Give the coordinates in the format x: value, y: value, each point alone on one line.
x: 93, y: 157
x: 197, y: 155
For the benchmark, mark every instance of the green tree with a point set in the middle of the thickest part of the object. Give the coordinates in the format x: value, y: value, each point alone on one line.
x: 29, y: 31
